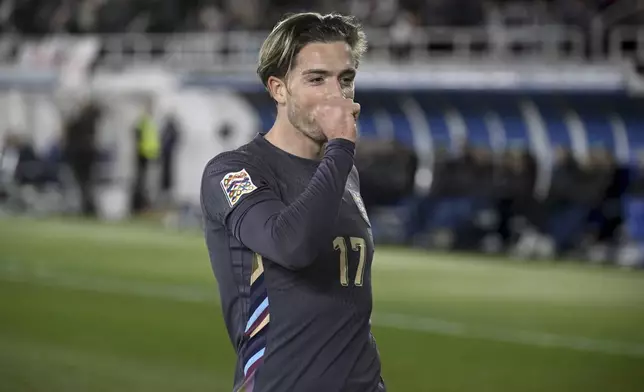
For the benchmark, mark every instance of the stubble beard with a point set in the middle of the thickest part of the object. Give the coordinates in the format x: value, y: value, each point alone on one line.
x: 303, y: 122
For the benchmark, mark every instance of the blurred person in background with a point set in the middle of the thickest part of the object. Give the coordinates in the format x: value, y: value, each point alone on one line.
x: 577, y: 188
x: 516, y: 176
x: 387, y: 170
x: 21, y: 169
x: 402, y: 32
x: 595, y: 176
x: 388, y: 179
x: 445, y: 208
x: 560, y: 201
x: 170, y: 137
x: 289, y: 238
x: 483, y: 206
x: 606, y: 217
x: 20, y: 158
x: 9, y: 157
x: 471, y: 173
x: 440, y: 172
x: 81, y: 153
x: 453, y: 12
x: 147, y: 151
x: 634, y: 201
x: 636, y: 177
x: 463, y: 204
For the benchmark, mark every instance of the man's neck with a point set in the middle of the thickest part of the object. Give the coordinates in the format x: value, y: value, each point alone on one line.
x: 286, y: 137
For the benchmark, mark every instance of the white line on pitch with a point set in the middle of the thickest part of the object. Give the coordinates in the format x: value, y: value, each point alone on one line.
x: 187, y: 293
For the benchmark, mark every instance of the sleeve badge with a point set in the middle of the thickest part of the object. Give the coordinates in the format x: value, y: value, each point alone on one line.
x: 237, y: 184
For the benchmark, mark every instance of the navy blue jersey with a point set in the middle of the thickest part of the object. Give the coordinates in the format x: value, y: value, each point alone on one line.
x: 291, y: 248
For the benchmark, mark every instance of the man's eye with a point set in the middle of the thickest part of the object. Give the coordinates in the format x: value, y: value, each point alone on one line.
x: 317, y: 80
x: 347, y: 81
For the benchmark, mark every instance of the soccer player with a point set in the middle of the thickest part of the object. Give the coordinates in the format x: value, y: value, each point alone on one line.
x: 288, y: 235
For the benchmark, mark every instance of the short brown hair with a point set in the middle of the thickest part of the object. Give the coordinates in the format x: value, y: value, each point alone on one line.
x: 291, y: 34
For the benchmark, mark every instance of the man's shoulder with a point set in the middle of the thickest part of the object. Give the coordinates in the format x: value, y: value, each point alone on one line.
x: 228, y: 177
x: 246, y: 156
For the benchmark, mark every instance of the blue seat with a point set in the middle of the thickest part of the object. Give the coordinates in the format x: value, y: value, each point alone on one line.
x: 477, y: 131
x: 366, y: 122
x: 552, y: 113
x: 507, y: 107
x: 634, y: 213
x: 473, y: 114
x: 595, y: 118
x: 401, y: 124
x: 633, y: 117
x: 438, y: 127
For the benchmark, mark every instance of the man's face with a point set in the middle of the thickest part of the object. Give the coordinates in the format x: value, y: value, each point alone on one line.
x: 321, y: 71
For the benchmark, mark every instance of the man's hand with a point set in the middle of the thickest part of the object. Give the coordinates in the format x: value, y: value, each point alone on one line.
x: 337, y: 117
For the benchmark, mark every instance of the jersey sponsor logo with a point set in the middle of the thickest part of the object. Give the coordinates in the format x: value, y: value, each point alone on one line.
x: 360, y: 204
x: 236, y: 185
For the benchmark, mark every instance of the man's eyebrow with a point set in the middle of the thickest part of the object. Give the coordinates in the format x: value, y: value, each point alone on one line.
x: 324, y: 72
x: 315, y: 71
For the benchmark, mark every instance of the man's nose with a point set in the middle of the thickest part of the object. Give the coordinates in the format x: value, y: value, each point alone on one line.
x: 334, y: 90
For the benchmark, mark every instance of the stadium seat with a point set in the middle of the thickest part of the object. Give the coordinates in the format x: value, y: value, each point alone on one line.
x: 633, y: 116
x: 516, y: 131
x: 473, y: 114
x: 552, y: 113
x: 367, y: 126
x: 402, y: 127
x: 435, y: 117
x: 594, y: 116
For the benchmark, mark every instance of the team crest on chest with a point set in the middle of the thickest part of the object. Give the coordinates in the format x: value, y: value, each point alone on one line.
x: 360, y: 204
x: 236, y: 185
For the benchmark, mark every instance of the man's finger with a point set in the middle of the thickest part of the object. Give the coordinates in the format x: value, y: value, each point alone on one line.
x: 356, y: 110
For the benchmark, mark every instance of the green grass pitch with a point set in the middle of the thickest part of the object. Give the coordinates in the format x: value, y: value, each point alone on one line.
x: 130, y: 307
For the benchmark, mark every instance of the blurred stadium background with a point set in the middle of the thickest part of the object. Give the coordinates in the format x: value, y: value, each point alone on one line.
x: 502, y: 163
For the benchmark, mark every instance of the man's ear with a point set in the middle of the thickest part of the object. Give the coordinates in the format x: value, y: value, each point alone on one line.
x: 277, y: 89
